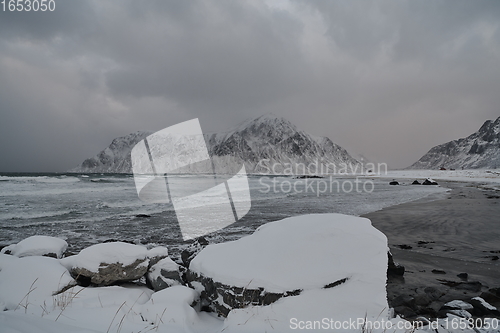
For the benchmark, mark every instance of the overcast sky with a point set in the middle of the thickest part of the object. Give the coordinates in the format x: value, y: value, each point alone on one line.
x: 386, y: 79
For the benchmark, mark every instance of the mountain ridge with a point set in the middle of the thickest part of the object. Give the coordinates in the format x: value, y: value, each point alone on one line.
x: 268, y: 137
x: 480, y: 150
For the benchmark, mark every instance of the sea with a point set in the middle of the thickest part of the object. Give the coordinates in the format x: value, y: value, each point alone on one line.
x: 86, y: 209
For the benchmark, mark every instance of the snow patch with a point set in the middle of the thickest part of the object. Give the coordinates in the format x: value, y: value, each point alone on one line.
x: 37, y: 246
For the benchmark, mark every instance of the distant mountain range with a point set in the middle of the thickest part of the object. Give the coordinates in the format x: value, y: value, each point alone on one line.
x: 480, y: 150
x: 267, y: 138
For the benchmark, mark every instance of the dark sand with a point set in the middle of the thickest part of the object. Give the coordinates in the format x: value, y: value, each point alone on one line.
x: 457, y: 234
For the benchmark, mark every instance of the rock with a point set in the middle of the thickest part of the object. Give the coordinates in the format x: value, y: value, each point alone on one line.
x: 405, y: 300
x: 142, y: 216
x: 405, y: 247
x: 113, y: 240
x: 165, y: 273
x: 483, y: 308
x: 434, y: 307
x: 463, y: 276
x: 156, y: 254
x: 416, y: 182
x: 307, y: 177
x: 222, y: 298
x: 474, y: 286
x: 422, y: 300
x: 458, y: 305
x: 438, y: 271
x: 394, y: 183
x: 491, y: 296
x: 433, y: 293
x: 107, y: 263
x: 461, y: 313
x: 37, y: 246
x: 393, y: 268
x: 193, y: 249
x: 429, y: 181
x: 274, y: 263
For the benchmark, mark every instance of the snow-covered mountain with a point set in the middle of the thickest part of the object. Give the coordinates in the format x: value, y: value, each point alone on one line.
x: 480, y: 150
x: 259, y: 143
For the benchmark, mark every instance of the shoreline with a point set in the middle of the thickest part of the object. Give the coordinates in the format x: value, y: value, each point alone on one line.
x: 437, y: 240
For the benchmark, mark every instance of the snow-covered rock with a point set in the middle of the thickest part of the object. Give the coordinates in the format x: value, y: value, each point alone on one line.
x: 458, y: 305
x: 173, y: 307
x: 37, y: 246
x: 268, y: 137
x: 26, y: 283
x: 479, y: 150
x: 156, y: 254
x: 482, y: 307
x: 322, y: 262
x: 165, y: 273
x: 429, y: 181
x: 193, y: 249
x: 107, y: 263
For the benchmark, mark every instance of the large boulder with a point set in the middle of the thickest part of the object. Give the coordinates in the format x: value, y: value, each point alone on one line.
x: 107, y: 263
x: 318, y: 263
x: 37, y: 246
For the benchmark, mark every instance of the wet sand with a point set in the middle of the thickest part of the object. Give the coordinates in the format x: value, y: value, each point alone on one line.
x: 456, y: 234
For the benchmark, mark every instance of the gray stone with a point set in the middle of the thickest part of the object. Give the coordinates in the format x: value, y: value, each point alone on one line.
x: 110, y: 273
x: 164, y: 274
x: 193, y: 249
x: 107, y: 263
x: 222, y: 298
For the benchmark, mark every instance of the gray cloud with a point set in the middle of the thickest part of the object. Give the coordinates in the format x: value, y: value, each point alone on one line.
x: 388, y: 79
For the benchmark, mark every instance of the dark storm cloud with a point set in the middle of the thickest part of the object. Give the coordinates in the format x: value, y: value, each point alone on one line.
x: 72, y: 17
x: 388, y: 79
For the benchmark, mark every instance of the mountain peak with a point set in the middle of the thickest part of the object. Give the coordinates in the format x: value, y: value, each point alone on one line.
x: 265, y: 119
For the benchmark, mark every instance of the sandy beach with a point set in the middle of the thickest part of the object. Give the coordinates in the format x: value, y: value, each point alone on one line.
x: 436, y: 241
